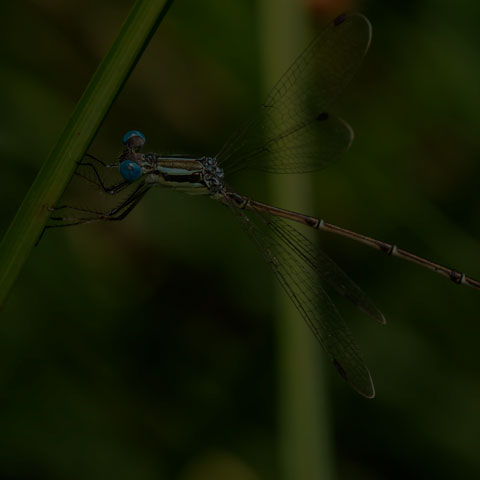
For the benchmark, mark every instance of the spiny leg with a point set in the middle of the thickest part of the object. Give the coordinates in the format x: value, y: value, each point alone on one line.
x: 112, y: 189
x: 95, y: 212
x: 116, y: 214
x: 101, y: 162
x: 104, y: 215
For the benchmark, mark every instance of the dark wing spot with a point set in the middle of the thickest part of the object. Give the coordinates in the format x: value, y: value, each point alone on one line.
x: 340, y: 19
x: 341, y: 370
x: 322, y: 116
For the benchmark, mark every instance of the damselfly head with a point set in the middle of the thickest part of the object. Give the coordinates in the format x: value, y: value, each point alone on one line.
x: 130, y: 171
x: 134, y: 139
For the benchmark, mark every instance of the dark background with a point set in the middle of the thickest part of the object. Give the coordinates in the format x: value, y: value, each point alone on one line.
x: 147, y: 349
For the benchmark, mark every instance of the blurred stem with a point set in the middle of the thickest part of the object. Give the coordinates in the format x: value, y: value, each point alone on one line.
x: 305, y: 450
x: 79, y: 132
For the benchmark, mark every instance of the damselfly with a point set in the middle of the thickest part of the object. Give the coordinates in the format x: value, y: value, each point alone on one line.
x: 292, y: 133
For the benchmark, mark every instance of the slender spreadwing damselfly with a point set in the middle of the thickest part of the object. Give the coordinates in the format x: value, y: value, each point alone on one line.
x: 292, y: 133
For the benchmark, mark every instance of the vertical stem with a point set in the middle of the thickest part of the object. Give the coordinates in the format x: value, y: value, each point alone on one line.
x: 305, y: 451
x: 82, y: 126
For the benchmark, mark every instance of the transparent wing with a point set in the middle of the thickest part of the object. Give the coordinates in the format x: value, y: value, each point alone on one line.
x: 293, y: 133
x: 327, y: 270
x: 298, y: 272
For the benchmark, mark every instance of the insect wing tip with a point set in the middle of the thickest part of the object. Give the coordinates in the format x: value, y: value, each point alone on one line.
x: 362, y: 384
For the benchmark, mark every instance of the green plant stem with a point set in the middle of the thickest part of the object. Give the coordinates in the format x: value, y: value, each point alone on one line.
x: 93, y: 106
x: 305, y: 450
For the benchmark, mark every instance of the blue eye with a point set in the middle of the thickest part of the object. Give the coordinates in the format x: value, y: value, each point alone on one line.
x: 140, y: 140
x: 130, y: 171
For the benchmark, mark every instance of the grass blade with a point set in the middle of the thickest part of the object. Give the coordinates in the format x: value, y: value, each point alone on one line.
x: 79, y: 132
x: 304, y: 448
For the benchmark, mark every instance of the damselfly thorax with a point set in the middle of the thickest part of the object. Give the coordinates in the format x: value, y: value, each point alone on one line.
x: 194, y: 176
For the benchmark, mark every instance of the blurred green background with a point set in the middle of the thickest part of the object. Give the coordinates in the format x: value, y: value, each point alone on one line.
x: 148, y: 349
